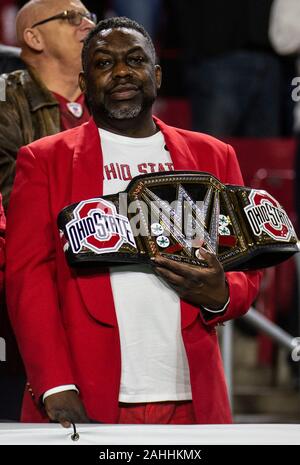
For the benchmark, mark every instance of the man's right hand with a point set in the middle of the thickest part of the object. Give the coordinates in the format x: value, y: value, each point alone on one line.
x: 66, y: 408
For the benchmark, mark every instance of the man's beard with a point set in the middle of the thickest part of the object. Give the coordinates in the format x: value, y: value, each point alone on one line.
x: 111, y: 111
x: 130, y: 112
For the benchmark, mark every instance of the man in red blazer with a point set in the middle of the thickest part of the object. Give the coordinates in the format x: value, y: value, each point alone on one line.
x: 117, y: 346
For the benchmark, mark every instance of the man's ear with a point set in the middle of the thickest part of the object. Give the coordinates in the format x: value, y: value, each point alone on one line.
x: 81, y: 82
x: 158, y: 76
x: 33, y: 39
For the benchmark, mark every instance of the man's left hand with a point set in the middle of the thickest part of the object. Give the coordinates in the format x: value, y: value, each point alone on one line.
x: 198, y: 285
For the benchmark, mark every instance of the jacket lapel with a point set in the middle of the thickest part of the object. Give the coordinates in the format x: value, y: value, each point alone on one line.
x: 87, y: 164
x: 180, y: 152
x: 87, y: 182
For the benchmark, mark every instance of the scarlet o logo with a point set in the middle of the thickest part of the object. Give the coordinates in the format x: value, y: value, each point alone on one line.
x: 103, y: 210
x: 98, y: 227
x: 266, y: 215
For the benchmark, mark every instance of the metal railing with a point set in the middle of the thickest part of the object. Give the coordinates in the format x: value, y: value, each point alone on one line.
x: 260, y: 322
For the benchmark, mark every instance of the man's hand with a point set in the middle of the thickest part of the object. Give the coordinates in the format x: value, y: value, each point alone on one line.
x: 66, y: 408
x: 198, y: 285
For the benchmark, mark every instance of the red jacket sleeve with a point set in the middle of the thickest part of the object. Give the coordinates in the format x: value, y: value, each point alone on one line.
x: 2, y: 244
x: 32, y: 296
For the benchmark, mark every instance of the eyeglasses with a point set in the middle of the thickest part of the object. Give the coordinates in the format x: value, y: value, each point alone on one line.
x: 74, y: 18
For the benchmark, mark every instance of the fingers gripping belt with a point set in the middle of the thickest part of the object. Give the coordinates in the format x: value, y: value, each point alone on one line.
x: 173, y: 214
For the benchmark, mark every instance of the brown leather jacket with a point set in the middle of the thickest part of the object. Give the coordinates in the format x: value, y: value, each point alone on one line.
x: 28, y: 113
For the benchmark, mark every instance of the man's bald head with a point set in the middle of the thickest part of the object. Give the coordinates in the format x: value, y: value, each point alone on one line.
x: 56, y: 44
x: 33, y: 11
x: 37, y: 10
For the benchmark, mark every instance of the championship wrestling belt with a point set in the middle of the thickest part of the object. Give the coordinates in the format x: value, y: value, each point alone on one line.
x: 173, y: 214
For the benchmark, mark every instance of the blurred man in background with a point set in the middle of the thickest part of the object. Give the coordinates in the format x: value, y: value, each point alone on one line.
x: 45, y: 98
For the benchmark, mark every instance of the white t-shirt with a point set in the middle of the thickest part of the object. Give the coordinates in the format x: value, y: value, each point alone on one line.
x: 154, y: 362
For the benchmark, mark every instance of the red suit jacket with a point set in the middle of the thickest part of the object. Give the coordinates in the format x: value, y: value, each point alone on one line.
x: 2, y: 243
x: 64, y: 320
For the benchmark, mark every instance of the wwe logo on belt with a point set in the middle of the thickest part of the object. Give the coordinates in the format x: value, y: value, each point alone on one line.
x: 266, y: 215
x: 98, y: 227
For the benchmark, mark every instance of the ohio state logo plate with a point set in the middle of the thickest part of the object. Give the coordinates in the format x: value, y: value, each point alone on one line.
x: 97, y: 226
x: 173, y: 214
x: 265, y: 215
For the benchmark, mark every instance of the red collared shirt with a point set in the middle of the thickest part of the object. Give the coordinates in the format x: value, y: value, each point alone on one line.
x: 72, y: 114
